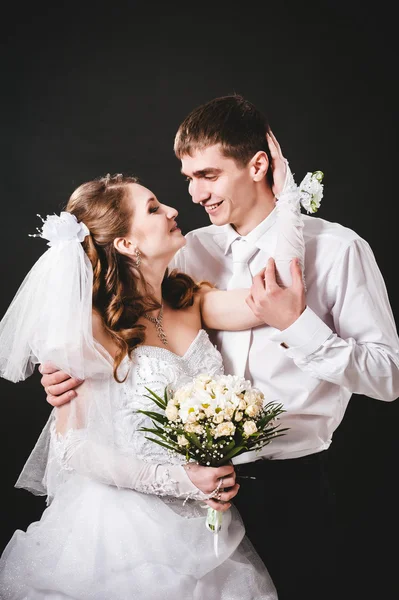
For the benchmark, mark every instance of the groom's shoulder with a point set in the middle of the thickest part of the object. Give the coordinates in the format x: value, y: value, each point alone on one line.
x: 328, y: 232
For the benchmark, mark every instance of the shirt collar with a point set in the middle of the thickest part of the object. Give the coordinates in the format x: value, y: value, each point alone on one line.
x: 256, y: 237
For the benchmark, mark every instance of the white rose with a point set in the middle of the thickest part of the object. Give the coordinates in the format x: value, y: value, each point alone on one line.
x: 226, y: 428
x: 219, y: 417
x: 182, y: 394
x: 242, y: 405
x: 228, y: 412
x: 254, y: 396
x: 250, y: 428
x: 171, y: 412
x: 238, y: 416
x: 173, y: 401
x: 260, y: 399
x: 252, y: 410
x: 182, y: 440
x: 194, y: 428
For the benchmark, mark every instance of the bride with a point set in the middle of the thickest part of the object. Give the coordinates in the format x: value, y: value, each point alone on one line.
x: 125, y: 518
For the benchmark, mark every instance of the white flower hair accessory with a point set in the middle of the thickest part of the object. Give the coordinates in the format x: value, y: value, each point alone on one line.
x: 311, y: 191
x: 61, y: 228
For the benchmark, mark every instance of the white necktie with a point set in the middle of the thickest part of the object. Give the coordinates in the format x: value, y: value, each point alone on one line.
x: 235, y: 344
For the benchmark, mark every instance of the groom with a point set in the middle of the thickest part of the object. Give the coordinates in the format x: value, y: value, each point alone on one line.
x: 310, y: 355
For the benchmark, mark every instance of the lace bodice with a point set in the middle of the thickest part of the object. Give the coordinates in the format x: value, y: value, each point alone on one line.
x: 112, y: 448
x: 156, y: 368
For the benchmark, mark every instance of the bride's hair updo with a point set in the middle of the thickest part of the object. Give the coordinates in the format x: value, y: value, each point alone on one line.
x: 103, y: 207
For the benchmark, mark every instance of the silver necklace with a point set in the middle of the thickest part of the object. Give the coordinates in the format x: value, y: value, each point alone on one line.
x: 158, y: 325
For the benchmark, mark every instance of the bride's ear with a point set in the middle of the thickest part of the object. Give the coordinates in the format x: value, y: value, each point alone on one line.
x: 259, y: 165
x: 124, y: 246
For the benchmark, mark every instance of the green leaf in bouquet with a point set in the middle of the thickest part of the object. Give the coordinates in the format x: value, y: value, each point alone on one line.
x: 168, y: 446
x: 159, y: 433
x: 154, y: 416
x: 165, y: 396
x: 234, y: 452
x: 194, y: 439
x: 155, y: 429
x: 161, y: 402
x: 225, y: 447
x: 209, y: 438
x: 265, y: 438
x: 272, y: 411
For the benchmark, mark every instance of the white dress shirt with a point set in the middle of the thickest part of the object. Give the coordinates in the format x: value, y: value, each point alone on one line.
x: 344, y: 342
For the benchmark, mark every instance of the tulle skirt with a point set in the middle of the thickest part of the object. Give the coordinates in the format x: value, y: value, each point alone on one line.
x: 97, y: 542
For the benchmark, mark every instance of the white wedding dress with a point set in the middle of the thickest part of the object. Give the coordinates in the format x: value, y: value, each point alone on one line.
x: 141, y: 539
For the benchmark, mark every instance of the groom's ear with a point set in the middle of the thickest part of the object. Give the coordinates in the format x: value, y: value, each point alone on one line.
x: 259, y: 165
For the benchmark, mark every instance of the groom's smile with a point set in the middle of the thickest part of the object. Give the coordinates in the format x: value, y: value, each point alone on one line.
x: 211, y: 208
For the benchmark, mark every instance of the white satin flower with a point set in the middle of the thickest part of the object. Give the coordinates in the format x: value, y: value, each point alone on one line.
x: 63, y: 228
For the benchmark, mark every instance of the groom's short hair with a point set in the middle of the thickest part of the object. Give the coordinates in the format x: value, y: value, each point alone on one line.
x: 231, y: 121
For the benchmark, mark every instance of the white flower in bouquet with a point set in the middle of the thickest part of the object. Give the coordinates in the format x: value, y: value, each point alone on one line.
x: 171, y: 411
x: 252, y: 410
x: 194, y: 427
x: 250, y: 428
x: 225, y: 428
x: 311, y: 191
x: 182, y: 440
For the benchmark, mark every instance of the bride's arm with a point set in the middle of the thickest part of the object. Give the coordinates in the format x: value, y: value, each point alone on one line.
x: 79, y: 450
x: 226, y: 309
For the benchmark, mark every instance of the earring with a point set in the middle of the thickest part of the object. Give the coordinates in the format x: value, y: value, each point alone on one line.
x: 138, y: 258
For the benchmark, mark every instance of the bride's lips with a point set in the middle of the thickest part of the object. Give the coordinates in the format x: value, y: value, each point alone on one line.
x: 211, y: 209
x: 175, y: 228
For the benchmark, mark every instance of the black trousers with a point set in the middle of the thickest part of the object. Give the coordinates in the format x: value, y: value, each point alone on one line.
x: 289, y: 512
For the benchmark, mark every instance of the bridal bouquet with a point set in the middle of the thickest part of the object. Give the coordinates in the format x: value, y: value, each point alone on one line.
x: 212, y: 419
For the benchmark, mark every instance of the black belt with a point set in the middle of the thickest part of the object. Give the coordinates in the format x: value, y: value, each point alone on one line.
x: 263, y: 468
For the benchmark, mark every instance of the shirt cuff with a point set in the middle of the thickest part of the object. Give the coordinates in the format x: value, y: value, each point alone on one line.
x: 304, y: 336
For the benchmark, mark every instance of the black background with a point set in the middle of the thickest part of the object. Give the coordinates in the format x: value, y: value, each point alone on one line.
x: 90, y: 90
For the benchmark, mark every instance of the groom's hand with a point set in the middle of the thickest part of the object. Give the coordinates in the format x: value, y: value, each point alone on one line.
x: 277, y: 306
x: 59, y: 386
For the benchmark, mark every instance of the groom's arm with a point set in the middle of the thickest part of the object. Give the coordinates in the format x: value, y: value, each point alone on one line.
x: 362, y: 352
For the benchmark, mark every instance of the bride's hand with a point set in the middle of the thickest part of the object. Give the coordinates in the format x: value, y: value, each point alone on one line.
x: 221, y: 480
x: 279, y: 164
